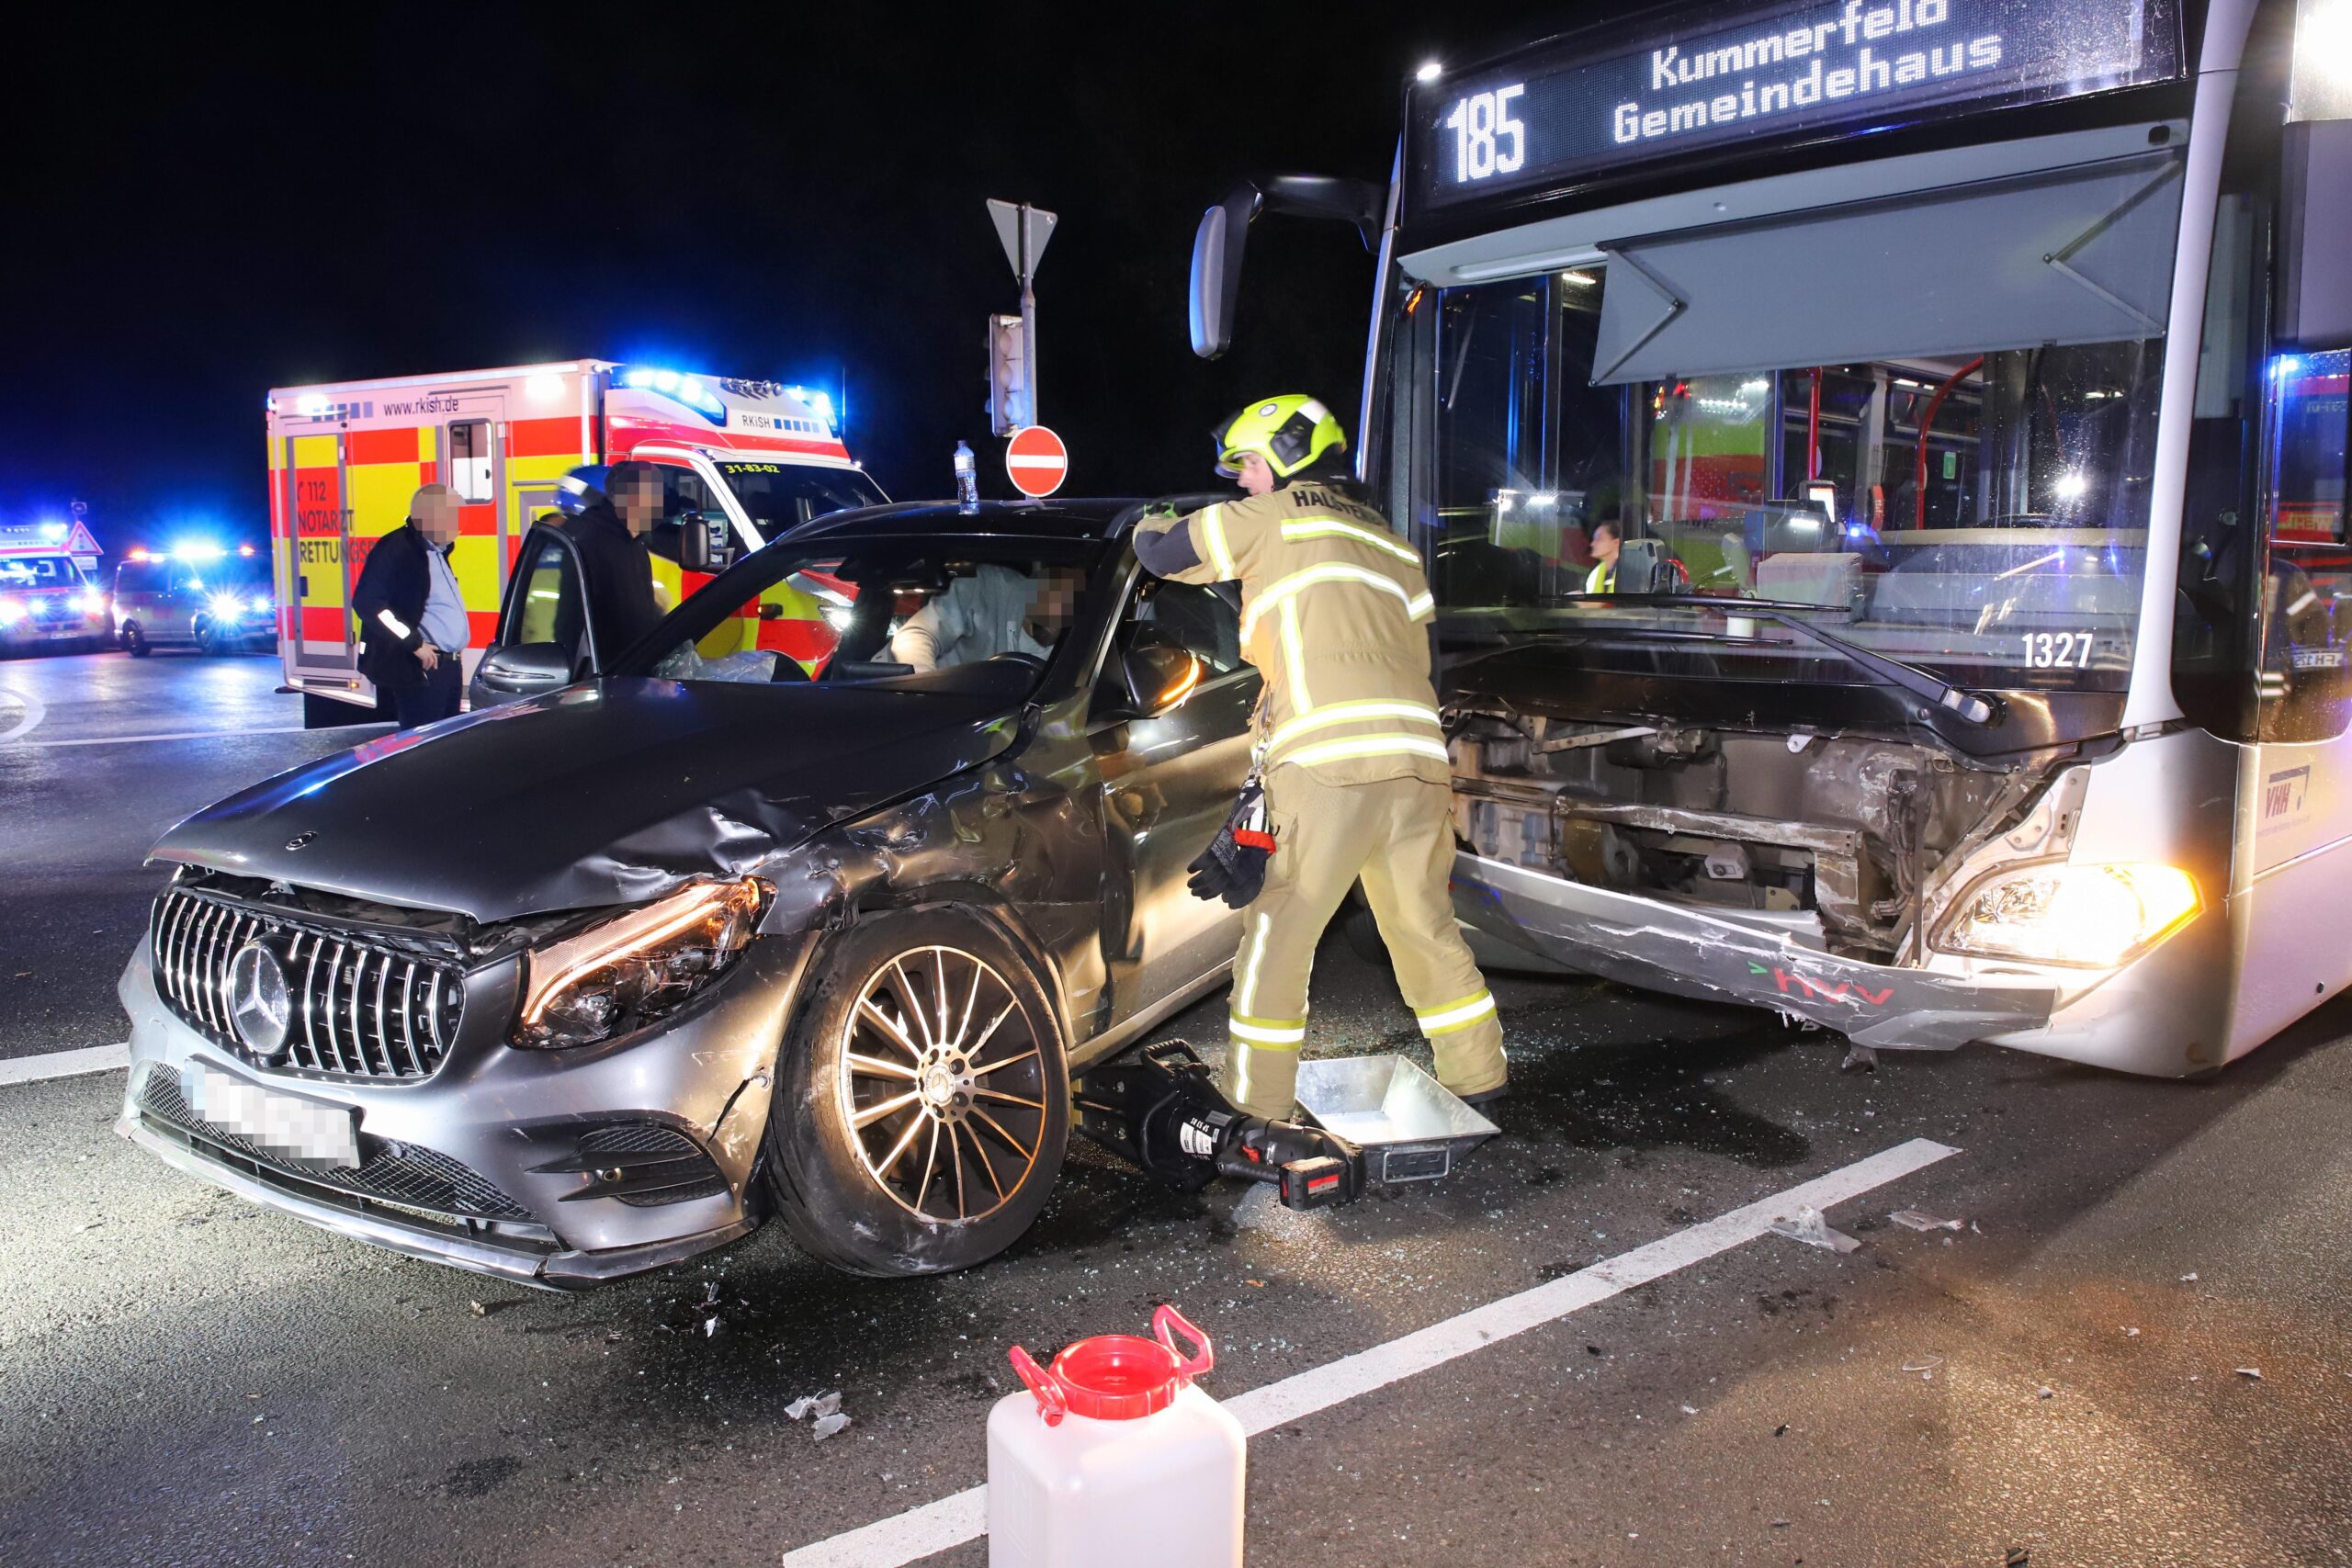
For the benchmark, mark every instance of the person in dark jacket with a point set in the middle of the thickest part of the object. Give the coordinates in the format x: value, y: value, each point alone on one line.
x: 412, y: 626
x: 609, y: 530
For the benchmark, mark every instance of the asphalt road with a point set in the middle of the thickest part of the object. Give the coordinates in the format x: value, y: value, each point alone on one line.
x: 99, y: 753
x: 186, y: 1379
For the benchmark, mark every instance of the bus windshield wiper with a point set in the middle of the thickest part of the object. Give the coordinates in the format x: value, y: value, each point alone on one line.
x: 1921, y: 684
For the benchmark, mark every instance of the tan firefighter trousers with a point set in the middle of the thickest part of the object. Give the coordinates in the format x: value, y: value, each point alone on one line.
x: 1398, y: 835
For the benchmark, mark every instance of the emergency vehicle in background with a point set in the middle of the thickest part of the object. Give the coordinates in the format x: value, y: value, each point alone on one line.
x: 48, y: 593
x: 344, y: 459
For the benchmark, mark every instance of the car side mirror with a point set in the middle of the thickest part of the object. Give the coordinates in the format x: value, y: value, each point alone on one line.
x: 526, y: 667
x: 706, y: 544
x: 1157, y: 679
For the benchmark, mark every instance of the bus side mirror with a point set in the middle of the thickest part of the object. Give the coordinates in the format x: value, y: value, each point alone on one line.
x: 2315, y: 248
x: 1217, y: 246
x: 706, y: 544
x: 1224, y: 234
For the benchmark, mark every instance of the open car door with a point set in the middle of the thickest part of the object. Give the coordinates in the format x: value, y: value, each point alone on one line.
x: 544, y: 640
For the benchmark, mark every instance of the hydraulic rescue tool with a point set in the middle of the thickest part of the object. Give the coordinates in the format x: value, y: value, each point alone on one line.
x: 1162, y: 1112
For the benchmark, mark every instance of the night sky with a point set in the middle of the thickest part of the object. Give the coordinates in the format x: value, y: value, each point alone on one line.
x: 202, y: 209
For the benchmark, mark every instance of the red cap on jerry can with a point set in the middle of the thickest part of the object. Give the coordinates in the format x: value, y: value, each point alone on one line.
x: 1117, y: 1377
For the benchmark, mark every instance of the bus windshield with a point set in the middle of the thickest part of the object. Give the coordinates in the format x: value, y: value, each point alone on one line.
x: 1981, y: 514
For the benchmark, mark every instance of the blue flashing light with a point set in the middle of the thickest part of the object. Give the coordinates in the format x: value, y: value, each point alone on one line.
x: 818, y: 403
x: 53, y: 530
x: 2287, y: 365
x: 688, y: 389
x: 196, y: 550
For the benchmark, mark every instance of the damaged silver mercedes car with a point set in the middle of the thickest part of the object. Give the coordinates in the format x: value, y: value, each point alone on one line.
x: 785, y: 911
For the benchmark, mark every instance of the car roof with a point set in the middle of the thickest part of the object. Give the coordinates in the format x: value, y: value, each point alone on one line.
x: 1085, y: 519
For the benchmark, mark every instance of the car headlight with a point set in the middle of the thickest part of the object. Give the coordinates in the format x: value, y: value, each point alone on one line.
x: 258, y: 603
x: 2092, y: 917
x: 90, y: 601
x: 226, y: 607
x: 11, y: 612
x: 629, y: 970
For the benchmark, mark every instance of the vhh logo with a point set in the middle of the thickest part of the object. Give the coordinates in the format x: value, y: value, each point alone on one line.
x: 1843, y: 991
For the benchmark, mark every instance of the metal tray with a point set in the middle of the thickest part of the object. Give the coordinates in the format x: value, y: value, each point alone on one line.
x: 1409, y: 1126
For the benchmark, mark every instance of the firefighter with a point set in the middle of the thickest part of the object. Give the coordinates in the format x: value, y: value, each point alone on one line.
x: 1334, y: 611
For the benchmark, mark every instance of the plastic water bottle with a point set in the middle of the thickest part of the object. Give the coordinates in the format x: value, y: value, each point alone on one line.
x: 1113, y: 1456
x: 968, y: 479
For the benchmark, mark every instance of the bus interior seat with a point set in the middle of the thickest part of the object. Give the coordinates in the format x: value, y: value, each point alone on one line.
x: 1803, y: 577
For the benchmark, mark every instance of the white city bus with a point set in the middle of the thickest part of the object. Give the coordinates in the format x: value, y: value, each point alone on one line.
x: 1965, y: 380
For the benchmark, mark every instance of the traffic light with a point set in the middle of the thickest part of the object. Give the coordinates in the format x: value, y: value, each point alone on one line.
x: 1010, y: 405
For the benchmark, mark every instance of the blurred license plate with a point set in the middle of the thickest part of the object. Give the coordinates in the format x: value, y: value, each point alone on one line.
x: 285, y: 1125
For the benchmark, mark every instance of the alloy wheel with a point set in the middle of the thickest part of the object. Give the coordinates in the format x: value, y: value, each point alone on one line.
x: 942, y: 1085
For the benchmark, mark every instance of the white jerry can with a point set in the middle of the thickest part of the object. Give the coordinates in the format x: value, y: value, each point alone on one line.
x: 1114, y: 1457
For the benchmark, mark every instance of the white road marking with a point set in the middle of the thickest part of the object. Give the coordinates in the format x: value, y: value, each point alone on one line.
x: 951, y: 1521
x: 34, y: 712
x: 186, y: 735
x: 65, y: 1064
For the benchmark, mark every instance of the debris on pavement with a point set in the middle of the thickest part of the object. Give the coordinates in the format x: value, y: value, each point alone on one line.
x: 710, y: 1327
x: 1809, y: 1227
x: 2252, y: 1374
x: 2015, y: 1557
x: 479, y: 1309
x: 2045, y: 1392
x: 1915, y: 1220
x: 1860, y: 1057
x: 815, y: 1405
x: 2189, y: 1278
x: 1689, y: 1410
x: 2129, y: 1332
x: 1925, y: 1366
x: 828, y: 1424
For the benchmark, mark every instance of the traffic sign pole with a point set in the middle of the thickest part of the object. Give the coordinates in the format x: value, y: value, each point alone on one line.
x: 1028, y: 315
x: 1024, y: 230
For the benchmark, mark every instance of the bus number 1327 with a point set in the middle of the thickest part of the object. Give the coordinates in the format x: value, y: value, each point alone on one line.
x: 2057, y: 650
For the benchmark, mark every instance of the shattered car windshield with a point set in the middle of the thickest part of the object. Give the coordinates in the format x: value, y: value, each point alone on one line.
x: 1984, y: 514
x: 946, y: 613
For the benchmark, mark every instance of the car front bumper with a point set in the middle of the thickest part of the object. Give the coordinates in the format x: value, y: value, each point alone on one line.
x: 1664, y: 947
x: 495, y: 1163
x: 34, y: 631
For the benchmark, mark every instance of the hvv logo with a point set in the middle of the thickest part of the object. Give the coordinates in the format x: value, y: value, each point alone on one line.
x: 1843, y: 991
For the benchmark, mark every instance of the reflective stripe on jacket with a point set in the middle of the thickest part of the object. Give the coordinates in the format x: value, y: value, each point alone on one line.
x: 1334, y: 614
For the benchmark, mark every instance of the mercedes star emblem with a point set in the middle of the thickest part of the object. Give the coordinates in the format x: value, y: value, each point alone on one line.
x: 299, y: 840
x: 259, y: 1004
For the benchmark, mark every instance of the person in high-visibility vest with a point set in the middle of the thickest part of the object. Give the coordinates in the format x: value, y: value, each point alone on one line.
x: 1334, y: 615
x: 1608, y: 540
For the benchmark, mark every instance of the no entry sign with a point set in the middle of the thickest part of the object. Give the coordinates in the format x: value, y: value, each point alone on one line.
x: 1036, y: 460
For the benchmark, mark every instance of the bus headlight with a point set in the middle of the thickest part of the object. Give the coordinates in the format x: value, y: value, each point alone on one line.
x: 634, y: 968
x: 2091, y: 917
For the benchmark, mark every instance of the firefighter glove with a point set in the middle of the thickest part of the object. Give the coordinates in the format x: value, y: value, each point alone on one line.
x: 1233, y: 868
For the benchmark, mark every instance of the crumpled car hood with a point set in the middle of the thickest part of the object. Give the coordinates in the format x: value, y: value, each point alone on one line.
x: 607, y: 794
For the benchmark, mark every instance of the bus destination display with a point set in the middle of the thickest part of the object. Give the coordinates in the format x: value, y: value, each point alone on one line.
x: 1820, y: 65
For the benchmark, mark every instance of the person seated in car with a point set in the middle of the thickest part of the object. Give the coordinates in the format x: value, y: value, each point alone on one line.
x: 995, y: 610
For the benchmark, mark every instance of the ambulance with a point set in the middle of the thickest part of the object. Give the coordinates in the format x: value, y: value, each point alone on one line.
x: 50, y: 595
x: 344, y: 459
